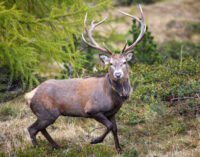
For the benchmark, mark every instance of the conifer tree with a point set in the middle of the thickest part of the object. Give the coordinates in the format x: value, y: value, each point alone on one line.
x: 37, y: 33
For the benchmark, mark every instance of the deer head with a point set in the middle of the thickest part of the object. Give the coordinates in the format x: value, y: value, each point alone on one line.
x: 118, y: 62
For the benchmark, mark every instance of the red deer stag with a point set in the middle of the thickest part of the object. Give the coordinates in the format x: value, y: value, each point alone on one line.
x: 95, y: 97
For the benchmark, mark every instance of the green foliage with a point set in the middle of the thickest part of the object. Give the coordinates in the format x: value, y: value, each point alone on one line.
x: 36, y: 34
x: 8, y: 95
x: 146, y: 50
x: 76, y: 151
x: 10, y: 90
x: 6, y: 112
x: 155, y: 85
x: 175, y: 127
x: 131, y: 153
x: 172, y: 79
x: 31, y: 151
x: 175, y: 49
x: 93, y: 150
x: 89, y: 54
x: 135, y: 118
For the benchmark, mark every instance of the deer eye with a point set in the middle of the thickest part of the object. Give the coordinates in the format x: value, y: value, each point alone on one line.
x: 111, y: 64
x: 124, y: 63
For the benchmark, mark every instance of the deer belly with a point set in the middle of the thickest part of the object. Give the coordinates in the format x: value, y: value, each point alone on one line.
x: 71, y: 106
x: 98, y: 105
x: 74, y: 112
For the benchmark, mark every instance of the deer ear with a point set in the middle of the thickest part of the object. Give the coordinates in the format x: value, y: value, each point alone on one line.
x: 105, y: 59
x: 129, y: 56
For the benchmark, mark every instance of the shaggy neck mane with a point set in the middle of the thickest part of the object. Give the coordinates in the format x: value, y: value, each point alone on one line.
x: 121, y: 88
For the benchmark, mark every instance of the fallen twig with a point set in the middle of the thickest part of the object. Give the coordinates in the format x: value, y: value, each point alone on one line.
x: 184, y: 98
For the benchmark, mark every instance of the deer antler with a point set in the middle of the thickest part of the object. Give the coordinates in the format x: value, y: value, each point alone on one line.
x: 142, y: 29
x: 89, y: 34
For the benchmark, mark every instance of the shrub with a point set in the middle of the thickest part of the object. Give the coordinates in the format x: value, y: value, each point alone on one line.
x: 170, y: 79
x: 155, y: 87
x: 175, y: 49
x: 193, y: 27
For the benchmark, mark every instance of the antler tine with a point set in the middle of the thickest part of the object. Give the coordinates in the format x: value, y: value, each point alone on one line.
x: 129, y: 15
x: 89, y: 34
x: 124, y: 47
x: 142, y: 28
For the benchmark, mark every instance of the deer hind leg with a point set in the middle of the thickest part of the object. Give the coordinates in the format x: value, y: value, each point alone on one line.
x: 48, y: 137
x: 33, y: 132
x: 41, y: 125
x: 106, y: 122
x: 45, y: 118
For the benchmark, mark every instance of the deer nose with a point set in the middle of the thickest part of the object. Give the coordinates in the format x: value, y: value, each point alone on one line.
x: 118, y: 75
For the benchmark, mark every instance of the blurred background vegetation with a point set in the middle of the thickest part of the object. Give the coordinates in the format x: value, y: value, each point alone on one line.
x: 42, y: 40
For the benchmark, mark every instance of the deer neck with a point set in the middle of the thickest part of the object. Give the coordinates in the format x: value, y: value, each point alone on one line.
x: 120, y: 89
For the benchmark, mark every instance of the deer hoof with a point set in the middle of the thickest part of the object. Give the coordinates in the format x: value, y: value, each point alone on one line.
x: 96, y: 140
x: 120, y: 151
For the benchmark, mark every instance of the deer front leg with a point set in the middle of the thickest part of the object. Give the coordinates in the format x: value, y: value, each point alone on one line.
x: 114, y: 132
x: 106, y: 122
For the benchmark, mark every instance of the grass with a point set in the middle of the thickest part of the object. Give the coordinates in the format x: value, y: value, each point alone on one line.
x: 169, y: 134
x: 8, y: 112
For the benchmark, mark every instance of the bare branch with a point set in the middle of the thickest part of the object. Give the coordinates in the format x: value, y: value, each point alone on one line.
x: 183, y: 98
